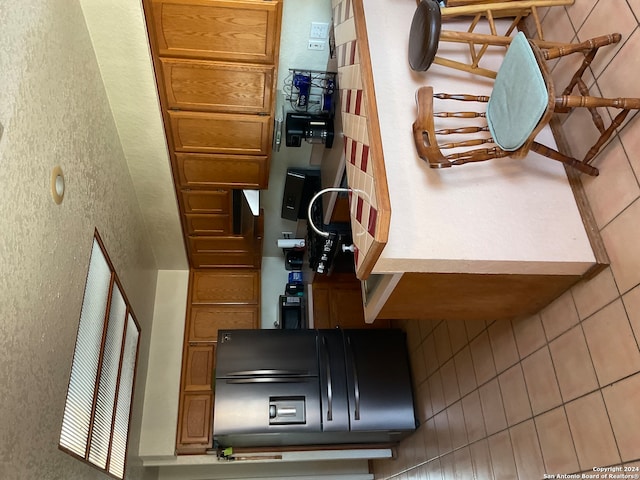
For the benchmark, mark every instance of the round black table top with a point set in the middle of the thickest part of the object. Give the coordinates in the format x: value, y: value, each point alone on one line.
x: 424, y: 35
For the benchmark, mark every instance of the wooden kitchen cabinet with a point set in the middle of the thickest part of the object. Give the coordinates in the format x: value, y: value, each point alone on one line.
x: 208, y: 224
x: 218, y: 87
x: 235, y: 30
x: 225, y: 287
x: 236, y: 134
x: 337, y: 302
x: 199, y: 367
x: 206, y: 320
x: 216, y: 171
x: 194, y: 419
x: 206, y: 201
x: 218, y: 299
x: 216, y: 65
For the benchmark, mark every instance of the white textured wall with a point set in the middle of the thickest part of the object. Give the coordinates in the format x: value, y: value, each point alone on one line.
x: 55, y: 112
x: 160, y: 415
x: 119, y: 37
x: 274, y: 279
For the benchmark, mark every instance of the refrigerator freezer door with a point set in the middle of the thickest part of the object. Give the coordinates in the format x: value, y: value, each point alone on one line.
x: 266, y: 353
x: 266, y: 405
x: 378, y: 381
x: 333, y: 381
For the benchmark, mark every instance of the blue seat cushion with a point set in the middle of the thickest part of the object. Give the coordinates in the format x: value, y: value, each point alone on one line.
x: 519, y: 97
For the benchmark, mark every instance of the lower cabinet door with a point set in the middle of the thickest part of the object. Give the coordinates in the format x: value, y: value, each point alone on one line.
x: 194, y: 428
x: 198, y: 371
x: 206, y: 320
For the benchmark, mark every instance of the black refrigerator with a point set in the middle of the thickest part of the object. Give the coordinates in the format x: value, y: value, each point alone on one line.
x: 311, y: 387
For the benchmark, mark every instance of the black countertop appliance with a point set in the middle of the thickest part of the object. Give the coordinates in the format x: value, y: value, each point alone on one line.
x: 312, y: 387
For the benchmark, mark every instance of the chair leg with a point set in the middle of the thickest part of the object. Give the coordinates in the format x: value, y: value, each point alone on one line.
x: 570, y: 161
x: 593, y: 151
x: 567, y: 102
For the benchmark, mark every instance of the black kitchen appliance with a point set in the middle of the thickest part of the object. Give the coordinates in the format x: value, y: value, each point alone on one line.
x: 292, y: 312
x: 311, y: 387
x: 312, y: 128
x: 300, y: 185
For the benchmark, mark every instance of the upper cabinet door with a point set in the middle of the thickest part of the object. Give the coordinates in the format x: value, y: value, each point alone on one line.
x: 218, y: 87
x: 240, y: 134
x: 233, y: 30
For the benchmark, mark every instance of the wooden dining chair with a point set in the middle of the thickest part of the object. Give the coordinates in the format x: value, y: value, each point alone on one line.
x: 521, y: 103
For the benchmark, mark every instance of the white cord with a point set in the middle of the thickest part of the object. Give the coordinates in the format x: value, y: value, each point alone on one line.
x: 315, y: 197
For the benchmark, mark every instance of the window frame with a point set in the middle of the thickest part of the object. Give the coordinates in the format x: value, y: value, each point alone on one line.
x: 127, y: 359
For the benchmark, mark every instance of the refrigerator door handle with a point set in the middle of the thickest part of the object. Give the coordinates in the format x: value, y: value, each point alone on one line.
x: 356, y: 386
x: 265, y: 380
x: 268, y: 373
x: 329, y: 381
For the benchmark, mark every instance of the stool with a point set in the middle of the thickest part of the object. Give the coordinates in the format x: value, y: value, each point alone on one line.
x: 426, y: 30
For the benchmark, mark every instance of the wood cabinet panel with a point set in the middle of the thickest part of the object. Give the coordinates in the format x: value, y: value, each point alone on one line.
x: 226, y: 171
x: 206, y: 320
x: 201, y: 132
x: 245, y: 259
x: 337, y: 302
x: 225, y: 287
x: 218, y: 87
x: 206, y: 201
x: 194, y: 421
x: 234, y: 30
x: 223, y: 244
x: 199, y: 368
x: 208, y: 224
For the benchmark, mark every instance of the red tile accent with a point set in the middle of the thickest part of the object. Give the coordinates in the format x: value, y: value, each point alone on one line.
x: 352, y: 57
x: 359, y: 209
x: 358, y: 101
x: 354, y: 146
x: 348, y: 10
x: 373, y: 217
x: 365, y: 158
x: 348, y: 107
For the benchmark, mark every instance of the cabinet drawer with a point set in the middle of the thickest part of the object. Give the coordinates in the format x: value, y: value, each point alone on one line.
x: 194, y: 421
x: 217, y: 87
x: 199, y: 367
x: 210, y: 201
x: 205, y: 320
x: 215, y: 171
x: 227, y: 133
x: 208, y: 224
x: 245, y: 31
x: 223, y: 244
x: 246, y: 259
x: 225, y: 287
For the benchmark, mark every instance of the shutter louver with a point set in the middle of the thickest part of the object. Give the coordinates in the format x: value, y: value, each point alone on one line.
x: 84, y: 369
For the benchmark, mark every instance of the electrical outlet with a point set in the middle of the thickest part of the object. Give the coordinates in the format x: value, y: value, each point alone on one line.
x: 316, y: 44
x: 319, y: 30
x: 287, y: 234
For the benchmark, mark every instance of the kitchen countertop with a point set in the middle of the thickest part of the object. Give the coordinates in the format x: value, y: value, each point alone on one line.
x: 503, y: 216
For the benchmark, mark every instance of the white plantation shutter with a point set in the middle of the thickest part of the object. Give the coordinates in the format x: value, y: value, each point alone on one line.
x: 102, y: 372
x: 84, y: 369
x: 101, y: 433
x: 121, y: 427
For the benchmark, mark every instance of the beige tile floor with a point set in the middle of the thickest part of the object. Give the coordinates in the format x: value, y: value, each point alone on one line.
x: 558, y: 392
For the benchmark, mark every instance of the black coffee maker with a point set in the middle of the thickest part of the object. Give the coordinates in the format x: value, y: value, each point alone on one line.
x: 312, y: 128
